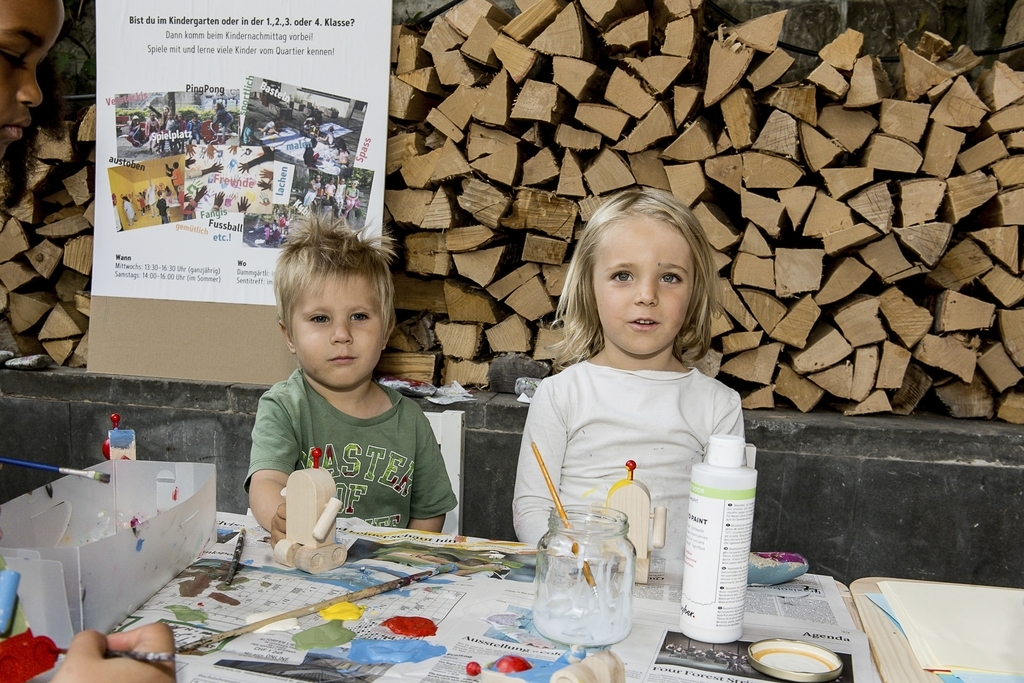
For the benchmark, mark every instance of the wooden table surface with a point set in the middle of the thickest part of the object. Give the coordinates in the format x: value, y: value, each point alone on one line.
x: 890, y: 649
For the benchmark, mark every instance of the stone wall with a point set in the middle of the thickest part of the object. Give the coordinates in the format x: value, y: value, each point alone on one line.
x: 918, y: 497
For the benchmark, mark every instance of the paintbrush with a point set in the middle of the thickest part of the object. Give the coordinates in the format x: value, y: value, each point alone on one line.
x: 239, y: 544
x: 132, y: 654
x: 101, y: 477
x: 314, y: 608
x: 587, y: 574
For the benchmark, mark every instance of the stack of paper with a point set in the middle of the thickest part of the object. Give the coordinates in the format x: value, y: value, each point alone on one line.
x: 959, y: 627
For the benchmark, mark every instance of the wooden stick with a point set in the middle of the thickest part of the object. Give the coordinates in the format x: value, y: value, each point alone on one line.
x: 316, y: 607
x: 587, y: 574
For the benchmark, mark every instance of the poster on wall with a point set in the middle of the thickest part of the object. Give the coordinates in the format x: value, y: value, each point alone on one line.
x: 221, y: 123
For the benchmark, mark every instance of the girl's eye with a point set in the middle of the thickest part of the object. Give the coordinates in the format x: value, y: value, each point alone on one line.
x: 670, y: 277
x: 360, y: 316
x: 622, y: 276
x: 319, y: 319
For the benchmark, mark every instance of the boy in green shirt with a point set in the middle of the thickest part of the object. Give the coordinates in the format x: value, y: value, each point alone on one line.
x: 335, y: 305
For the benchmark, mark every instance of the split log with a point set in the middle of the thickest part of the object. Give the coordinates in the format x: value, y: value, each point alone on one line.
x: 892, y: 367
x: 849, y: 128
x: 960, y: 107
x: 1006, y: 288
x: 797, y: 324
x: 770, y: 69
x: 469, y: 304
x: 566, y: 36
x: 998, y: 368
x: 1011, y: 332
x: 576, y: 77
x: 766, y: 213
x: 726, y: 67
x: 946, y: 353
x: 531, y: 300
x: 869, y: 84
x: 756, y: 365
x: 825, y: 347
x: 843, y: 51
x: 803, y: 393
x: 480, y: 266
x: 511, y: 335
x: 468, y: 373
x: 959, y: 266
x: 985, y: 153
x: 766, y: 310
x: 843, y: 279
x: 459, y: 340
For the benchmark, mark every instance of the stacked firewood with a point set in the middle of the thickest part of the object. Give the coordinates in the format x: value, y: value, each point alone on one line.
x: 866, y: 231
x: 46, y: 249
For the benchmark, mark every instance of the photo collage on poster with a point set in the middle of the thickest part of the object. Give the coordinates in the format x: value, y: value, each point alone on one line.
x: 248, y: 161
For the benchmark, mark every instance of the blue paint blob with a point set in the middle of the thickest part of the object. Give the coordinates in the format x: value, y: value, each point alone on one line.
x: 393, y: 651
x: 138, y: 544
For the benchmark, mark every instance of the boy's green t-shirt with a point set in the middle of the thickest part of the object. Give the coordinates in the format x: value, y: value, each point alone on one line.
x: 388, y: 468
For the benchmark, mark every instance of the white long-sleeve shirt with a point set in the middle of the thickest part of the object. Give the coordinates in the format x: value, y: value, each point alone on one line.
x: 590, y: 419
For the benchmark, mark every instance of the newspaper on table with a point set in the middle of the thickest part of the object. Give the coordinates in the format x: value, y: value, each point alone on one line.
x: 482, y: 613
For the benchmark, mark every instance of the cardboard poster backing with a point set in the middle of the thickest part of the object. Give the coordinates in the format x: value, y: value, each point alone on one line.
x: 192, y: 340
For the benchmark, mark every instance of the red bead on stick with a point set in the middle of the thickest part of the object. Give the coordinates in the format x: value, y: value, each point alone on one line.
x: 316, y: 454
x: 630, y: 466
x: 115, y: 419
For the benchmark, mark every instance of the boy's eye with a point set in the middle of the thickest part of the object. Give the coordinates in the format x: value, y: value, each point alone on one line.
x: 319, y: 319
x: 360, y: 316
x: 622, y: 276
x: 15, y: 60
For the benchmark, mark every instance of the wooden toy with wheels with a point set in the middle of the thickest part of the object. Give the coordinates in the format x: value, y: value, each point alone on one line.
x: 634, y: 499
x: 309, y: 532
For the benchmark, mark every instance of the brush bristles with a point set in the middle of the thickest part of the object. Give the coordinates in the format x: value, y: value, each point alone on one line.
x: 101, y: 477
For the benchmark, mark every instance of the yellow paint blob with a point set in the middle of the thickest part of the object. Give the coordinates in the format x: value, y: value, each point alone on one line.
x: 343, y: 611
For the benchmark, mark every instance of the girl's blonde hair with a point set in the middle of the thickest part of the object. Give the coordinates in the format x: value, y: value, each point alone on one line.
x: 320, y: 248
x: 577, y: 308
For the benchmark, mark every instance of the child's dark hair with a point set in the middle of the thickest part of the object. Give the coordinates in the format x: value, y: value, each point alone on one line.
x: 319, y: 248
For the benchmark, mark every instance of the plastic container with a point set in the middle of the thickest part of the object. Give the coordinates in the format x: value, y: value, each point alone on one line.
x: 719, y: 525
x: 569, y: 607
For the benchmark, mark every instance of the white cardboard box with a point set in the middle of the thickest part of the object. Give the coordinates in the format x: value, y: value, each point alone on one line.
x: 118, y: 543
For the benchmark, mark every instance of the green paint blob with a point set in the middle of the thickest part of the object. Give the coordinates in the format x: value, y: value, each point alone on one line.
x: 238, y: 581
x: 331, y: 634
x: 186, y: 613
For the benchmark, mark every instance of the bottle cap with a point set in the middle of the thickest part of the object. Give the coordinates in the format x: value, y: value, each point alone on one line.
x: 726, y: 450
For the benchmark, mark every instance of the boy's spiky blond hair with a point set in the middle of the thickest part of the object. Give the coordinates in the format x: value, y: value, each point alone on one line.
x: 320, y: 248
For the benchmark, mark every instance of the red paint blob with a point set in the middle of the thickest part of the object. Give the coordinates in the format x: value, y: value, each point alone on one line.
x: 473, y: 669
x: 510, y: 664
x: 174, y: 496
x: 414, y: 627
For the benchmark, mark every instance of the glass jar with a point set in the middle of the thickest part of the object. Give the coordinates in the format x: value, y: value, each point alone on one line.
x: 585, y: 577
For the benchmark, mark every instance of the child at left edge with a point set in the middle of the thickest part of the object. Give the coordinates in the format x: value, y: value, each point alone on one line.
x: 335, y: 306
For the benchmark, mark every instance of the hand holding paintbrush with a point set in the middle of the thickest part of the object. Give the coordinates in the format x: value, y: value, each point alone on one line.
x: 587, y: 574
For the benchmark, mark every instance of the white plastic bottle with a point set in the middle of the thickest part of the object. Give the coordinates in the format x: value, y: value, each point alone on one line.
x: 719, y: 525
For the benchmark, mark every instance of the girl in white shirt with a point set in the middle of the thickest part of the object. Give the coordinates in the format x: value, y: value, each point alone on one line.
x: 636, y: 312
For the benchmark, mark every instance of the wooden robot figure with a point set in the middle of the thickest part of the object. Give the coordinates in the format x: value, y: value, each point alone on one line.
x: 309, y: 532
x: 634, y: 499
